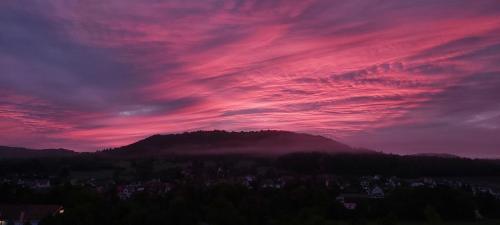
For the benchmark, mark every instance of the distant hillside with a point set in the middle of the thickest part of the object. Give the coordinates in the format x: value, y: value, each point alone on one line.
x: 23, y: 153
x: 437, y: 155
x: 217, y: 142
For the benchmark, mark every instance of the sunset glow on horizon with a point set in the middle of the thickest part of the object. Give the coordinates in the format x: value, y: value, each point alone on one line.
x: 391, y: 75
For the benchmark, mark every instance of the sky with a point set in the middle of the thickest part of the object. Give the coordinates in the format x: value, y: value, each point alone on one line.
x: 392, y: 75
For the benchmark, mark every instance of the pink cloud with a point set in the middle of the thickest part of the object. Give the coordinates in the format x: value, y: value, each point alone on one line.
x: 335, y: 68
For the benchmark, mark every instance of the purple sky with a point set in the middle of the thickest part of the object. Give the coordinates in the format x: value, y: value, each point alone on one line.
x: 392, y: 75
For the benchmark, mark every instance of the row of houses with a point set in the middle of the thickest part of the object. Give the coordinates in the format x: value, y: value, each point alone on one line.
x: 154, y: 187
x: 28, y: 183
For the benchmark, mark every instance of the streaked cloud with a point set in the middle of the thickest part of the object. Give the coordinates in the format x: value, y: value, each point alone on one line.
x: 106, y: 73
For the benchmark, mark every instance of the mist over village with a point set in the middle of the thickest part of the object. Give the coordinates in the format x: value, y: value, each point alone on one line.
x: 249, y: 112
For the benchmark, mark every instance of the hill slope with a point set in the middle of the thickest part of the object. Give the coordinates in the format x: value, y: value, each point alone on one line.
x: 217, y: 142
x: 21, y: 153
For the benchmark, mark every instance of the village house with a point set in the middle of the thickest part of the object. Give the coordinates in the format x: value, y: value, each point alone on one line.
x: 42, y: 184
x: 248, y: 181
x: 275, y: 184
x: 376, y: 192
x: 22, y: 214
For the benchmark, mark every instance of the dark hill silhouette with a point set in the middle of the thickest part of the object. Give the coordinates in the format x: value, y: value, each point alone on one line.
x: 218, y: 142
x: 20, y: 153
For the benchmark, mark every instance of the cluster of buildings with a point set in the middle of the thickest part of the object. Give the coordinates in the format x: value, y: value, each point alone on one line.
x: 376, y: 187
x: 152, y: 187
x: 27, y: 214
x: 31, y: 183
x: 352, y: 190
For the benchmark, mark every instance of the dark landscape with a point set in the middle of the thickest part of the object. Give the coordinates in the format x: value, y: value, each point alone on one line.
x: 184, y: 179
x: 249, y: 112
